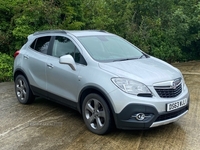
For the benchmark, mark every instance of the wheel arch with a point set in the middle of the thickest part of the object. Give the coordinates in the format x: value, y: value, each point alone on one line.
x: 20, y: 72
x: 92, y: 89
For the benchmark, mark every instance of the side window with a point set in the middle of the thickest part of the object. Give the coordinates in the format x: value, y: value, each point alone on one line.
x: 41, y: 44
x: 63, y: 46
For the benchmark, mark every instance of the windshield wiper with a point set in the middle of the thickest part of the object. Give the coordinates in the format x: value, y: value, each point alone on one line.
x: 124, y: 59
x: 141, y: 56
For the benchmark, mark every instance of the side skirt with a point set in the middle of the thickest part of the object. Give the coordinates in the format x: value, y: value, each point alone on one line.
x: 55, y: 98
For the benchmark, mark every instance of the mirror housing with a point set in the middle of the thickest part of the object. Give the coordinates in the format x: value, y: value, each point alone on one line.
x: 68, y: 59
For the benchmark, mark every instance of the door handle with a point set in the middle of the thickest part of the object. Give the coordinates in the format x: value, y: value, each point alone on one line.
x: 26, y: 57
x: 50, y: 66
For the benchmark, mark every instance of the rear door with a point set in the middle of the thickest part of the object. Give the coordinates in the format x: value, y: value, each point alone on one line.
x: 35, y: 64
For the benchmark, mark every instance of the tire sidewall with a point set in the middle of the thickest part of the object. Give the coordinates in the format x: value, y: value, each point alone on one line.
x: 27, y: 100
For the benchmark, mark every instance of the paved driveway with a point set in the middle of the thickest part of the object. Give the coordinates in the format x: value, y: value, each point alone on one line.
x: 46, y: 125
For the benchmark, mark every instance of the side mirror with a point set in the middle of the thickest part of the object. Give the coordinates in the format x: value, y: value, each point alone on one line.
x: 68, y: 59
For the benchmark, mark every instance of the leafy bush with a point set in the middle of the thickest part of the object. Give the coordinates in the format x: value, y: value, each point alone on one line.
x: 6, y: 67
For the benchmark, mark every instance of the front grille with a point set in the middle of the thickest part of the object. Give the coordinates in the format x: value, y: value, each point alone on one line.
x: 171, y: 115
x: 169, y: 92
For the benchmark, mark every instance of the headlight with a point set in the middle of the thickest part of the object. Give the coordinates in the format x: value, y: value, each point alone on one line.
x: 131, y: 87
x: 183, y: 81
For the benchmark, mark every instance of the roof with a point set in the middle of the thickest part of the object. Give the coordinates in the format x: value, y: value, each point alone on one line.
x: 79, y: 33
x: 73, y: 32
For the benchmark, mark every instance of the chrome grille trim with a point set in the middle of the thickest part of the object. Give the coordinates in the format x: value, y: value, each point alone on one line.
x: 170, y: 89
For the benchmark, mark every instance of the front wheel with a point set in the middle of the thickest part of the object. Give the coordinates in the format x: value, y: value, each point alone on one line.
x: 96, y: 114
x: 23, y: 91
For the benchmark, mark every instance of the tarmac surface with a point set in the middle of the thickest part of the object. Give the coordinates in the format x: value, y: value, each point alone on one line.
x: 45, y: 125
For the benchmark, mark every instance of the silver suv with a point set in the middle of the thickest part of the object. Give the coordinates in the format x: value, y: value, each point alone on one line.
x: 107, y: 79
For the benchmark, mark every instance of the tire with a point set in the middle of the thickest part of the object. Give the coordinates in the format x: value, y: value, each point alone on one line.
x: 23, y: 91
x: 96, y: 114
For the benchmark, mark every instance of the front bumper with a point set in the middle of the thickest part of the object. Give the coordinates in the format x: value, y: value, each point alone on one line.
x: 126, y: 119
x: 159, y: 123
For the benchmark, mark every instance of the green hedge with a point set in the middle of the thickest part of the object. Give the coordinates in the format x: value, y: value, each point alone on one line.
x: 6, y: 67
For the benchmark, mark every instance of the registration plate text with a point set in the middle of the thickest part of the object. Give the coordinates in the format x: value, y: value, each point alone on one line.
x: 176, y: 105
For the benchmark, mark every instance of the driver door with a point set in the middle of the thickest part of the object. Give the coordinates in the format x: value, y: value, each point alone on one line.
x: 62, y: 81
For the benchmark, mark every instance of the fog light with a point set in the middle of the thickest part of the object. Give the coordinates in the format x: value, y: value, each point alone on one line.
x: 140, y: 116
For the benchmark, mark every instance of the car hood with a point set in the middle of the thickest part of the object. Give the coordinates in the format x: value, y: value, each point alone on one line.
x: 148, y: 70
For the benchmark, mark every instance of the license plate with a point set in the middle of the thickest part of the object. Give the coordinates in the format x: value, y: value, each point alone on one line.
x: 176, y: 105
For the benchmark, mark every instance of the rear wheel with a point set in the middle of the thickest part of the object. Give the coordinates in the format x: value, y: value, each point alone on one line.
x: 23, y: 91
x: 96, y: 114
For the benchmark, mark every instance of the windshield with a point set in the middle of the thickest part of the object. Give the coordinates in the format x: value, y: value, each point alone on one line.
x: 109, y: 48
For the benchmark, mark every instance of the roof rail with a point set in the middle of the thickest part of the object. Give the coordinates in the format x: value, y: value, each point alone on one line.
x: 96, y: 30
x: 49, y: 31
x: 102, y: 31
